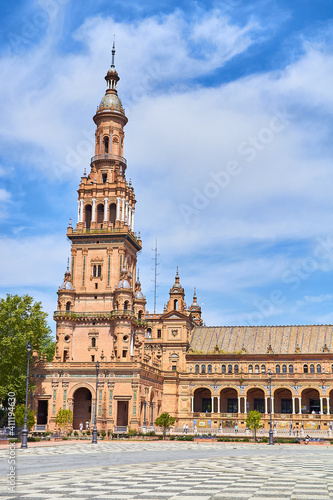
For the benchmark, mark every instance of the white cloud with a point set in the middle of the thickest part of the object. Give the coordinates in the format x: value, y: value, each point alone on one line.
x: 4, y: 195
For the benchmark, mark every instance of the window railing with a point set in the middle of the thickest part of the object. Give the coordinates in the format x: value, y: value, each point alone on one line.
x: 116, y: 313
x: 108, y: 156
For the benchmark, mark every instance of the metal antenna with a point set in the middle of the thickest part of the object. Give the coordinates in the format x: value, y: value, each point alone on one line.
x: 113, y: 51
x: 156, y: 263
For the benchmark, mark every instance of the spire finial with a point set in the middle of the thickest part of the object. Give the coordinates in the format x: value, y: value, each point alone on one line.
x: 113, y: 51
x: 195, y: 293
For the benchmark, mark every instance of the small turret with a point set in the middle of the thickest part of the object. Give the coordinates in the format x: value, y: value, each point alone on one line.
x: 177, y: 295
x: 195, y: 310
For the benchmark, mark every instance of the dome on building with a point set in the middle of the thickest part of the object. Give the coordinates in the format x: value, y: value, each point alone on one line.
x: 124, y: 284
x: 111, y: 102
x: 139, y: 295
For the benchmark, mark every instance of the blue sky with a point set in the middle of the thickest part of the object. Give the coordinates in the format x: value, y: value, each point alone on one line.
x: 229, y: 147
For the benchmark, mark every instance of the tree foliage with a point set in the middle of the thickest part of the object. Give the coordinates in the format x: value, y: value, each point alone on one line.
x: 253, y: 422
x: 64, y: 419
x: 21, y: 319
x: 165, y: 420
x: 19, y: 416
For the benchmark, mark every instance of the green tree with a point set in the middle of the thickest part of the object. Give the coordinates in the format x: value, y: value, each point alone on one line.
x: 165, y: 420
x: 19, y: 416
x: 21, y: 319
x: 253, y: 422
x: 64, y: 419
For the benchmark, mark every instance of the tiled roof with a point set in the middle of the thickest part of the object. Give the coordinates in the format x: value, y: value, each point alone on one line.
x: 305, y: 339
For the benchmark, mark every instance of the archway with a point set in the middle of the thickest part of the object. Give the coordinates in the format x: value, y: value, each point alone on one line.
x: 87, y: 216
x: 256, y: 400
x: 202, y: 400
x: 100, y: 213
x: 82, y: 408
x: 112, y: 215
x: 283, y: 401
x: 330, y: 401
x: 310, y: 401
x: 228, y: 401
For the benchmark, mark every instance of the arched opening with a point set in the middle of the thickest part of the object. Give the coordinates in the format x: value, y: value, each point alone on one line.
x: 283, y: 402
x: 175, y: 304
x: 100, y: 213
x: 197, y: 368
x: 68, y: 306
x: 125, y: 305
x: 113, y: 211
x: 106, y: 145
x: 93, y: 342
x: 223, y: 369
x: 202, y: 400
x: 310, y: 401
x: 87, y: 216
x: 330, y: 402
x: 256, y: 400
x: 148, y: 333
x: 139, y: 314
x: 82, y: 408
x: 228, y: 401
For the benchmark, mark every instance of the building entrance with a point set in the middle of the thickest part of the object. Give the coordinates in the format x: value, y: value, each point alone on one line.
x: 122, y: 413
x: 82, y: 408
x: 42, y: 412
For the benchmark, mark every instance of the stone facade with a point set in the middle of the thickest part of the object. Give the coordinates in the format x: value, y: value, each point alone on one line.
x: 206, y: 377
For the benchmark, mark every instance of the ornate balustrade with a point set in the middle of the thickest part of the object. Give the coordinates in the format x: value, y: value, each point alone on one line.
x: 108, y: 156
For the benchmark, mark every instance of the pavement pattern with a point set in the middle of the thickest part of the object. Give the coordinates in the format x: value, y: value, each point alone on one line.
x: 241, y: 472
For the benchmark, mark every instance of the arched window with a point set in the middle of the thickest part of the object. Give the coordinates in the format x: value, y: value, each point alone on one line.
x: 284, y: 368
x: 291, y: 369
x: 139, y: 314
x: 125, y: 305
x: 100, y: 213
x: 87, y: 216
x: 229, y: 368
x: 175, y: 304
x: 332, y: 368
x: 93, y: 342
x: 224, y: 368
x: 250, y: 368
x: 113, y: 212
x: 312, y: 369
x: 197, y: 368
x: 106, y: 144
x: 203, y: 368
x: 236, y: 368
x: 149, y: 333
x: 209, y: 368
x: 305, y: 369
x: 318, y: 368
x: 99, y: 271
x: 263, y: 368
x: 277, y: 369
x: 256, y: 369
x: 68, y: 306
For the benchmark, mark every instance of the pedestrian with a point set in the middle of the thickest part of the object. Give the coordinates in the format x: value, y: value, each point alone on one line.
x: 236, y: 428
x: 81, y: 426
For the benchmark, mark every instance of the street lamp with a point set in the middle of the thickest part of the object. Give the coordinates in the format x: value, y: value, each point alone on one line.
x: 25, y: 430
x: 271, y: 441
x: 94, y: 439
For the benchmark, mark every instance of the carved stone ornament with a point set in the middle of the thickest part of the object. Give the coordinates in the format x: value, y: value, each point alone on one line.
x: 174, y: 332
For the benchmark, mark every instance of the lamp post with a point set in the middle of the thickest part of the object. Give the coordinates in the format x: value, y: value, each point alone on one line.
x: 25, y: 430
x: 94, y: 439
x: 271, y: 440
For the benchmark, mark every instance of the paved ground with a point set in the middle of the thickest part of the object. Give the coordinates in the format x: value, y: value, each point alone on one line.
x: 170, y: 471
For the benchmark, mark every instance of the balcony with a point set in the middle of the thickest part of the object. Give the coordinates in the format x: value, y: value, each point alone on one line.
x: 109, y: 157
x: 102, y: 315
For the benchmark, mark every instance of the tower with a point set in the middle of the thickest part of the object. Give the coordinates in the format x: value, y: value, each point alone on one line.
x: 98, y: 304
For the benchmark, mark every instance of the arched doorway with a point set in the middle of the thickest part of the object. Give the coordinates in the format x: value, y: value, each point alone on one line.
x: 256, y: 400
x: 310, y: 401
x: 82, y: 408
x: 100, y: 213
x: 113, y: 212
x: 283, y: 401
x: 228, y: 401
x: 202, y: 400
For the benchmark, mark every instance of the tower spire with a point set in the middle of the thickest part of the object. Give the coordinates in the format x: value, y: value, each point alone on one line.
x: 113, y: 51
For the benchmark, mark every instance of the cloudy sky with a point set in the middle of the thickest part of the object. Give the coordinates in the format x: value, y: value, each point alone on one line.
x: 229, y: 147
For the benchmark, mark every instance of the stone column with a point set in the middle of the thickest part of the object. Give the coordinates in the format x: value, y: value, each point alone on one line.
x: 266, y: 404
x: 219, y: 404
x: 123, y: 210
x: 129, y: 221
x: 294, y: 406
x: 272, y: 404
x: 192, y: 404
x: 212, y: 399
x: 245, y: 404
x: 105, y: 209
x: 300, y: 405
x: 126, y: 212
x: 328, y: 406
x: 239, y: 404
x: 93, y: 215
x: 321, y: 405
x: 144, y: 413
x: 78, y: 211
x: 132, y: 222
x: 118, y: 209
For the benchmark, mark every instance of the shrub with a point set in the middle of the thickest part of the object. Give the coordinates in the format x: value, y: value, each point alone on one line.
x: 246, y: 440
x: 132, y: 432
x: 47, y: 433
x: 264, y: 440
x: 160, y: 437
x: 76, y: 433
x: 172, y: 438
x: 65, y: 438
x: 103, y: 434
x: 180, y: 438
x: 33, y: 439
x: 189, y: 438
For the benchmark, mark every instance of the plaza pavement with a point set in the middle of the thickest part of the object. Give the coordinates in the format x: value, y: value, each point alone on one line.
x: 170, y: 471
